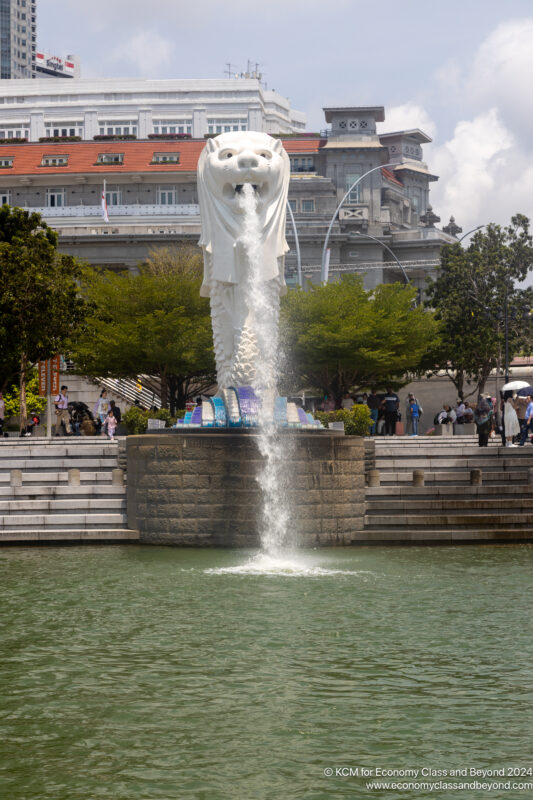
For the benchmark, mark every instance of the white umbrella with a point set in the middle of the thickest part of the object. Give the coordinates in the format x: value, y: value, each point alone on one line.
x: 514, y: 386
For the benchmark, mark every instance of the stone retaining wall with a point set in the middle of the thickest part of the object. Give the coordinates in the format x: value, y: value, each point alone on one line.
x: 199, y: 488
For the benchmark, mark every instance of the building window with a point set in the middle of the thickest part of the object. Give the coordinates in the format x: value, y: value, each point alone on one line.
x: 166, y: 195
x: 54, y: 161
x: 55, y: 198
x: 293, y: 204
x: 163, y: 126
x: 113, y: 196
x: 302, y: 164
x: 166, y: 158
x: 355, y: 194
x: 118, y: 128
x: 110, y: 158
x: 223, y: 125
x: 63, y: 128
x: 13, y: 133
x: 308, y: 206
x: 5, y: 198
x: 6, y: 162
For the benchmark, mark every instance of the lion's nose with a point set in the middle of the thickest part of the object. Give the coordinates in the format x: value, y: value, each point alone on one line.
x: 247, y: 160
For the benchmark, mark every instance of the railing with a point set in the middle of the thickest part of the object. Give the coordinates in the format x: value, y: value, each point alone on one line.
x: 365, y: 266
x: 182, y: 210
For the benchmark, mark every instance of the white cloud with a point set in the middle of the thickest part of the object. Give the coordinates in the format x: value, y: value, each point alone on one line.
x: 405, y: 117
x: 484, y: 168
x: 502, y: 73
x: 471, y: 166
x: 147, y: 51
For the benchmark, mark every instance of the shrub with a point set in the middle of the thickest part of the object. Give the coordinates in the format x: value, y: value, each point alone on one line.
x: 113, y: 137
x: 60, y: 138
x: 357, y: 420
x: 169, y: 136
x: 136, y: 419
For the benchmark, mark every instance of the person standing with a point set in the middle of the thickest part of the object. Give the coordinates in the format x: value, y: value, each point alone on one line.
x: 408, y: 418
x: 527, y: 421
x: 483, y: 420
x: 414, y: 414
x: 110, y: 425
x: 510, y: 421
x: 522, y: 404
x: 101, y: 407
x: 347, y: 402
x: 373, y: 404
x: 61, y: 404
x: 116, y: 411
x: 2, y: 413
x: 392, y: 403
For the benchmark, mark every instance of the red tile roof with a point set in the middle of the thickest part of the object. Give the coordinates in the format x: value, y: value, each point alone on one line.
x: 84, y: 155
x: 391, y: 176
x: 137, y: 155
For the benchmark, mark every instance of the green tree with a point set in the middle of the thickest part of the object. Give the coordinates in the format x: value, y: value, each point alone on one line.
x: 470, y: 297
x: 33, y: 400
x: 40, y: 304
x: 153, y: 323
x: 339, y: 337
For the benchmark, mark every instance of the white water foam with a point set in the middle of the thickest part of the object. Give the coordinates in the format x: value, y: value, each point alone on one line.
x: 262, y: 299
x: 289, y: 565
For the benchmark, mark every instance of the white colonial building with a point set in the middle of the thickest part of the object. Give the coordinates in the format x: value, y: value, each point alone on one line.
x: 89, y: 107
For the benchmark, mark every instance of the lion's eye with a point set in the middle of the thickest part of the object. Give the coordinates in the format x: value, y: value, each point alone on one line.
x: 227, y: 154
x: 266, y: 154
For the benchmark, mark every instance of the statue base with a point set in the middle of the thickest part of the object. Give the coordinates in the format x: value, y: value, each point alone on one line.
x: 198, y: 488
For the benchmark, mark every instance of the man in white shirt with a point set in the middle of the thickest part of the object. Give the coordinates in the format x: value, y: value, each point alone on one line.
x: 61, y: 404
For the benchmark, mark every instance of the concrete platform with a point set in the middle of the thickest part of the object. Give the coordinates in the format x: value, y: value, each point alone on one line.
x: 72, y: 536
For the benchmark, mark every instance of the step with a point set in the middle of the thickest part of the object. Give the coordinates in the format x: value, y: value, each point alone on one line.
x: 61, y: 491
x: 59, y: 441
x: 436, y: 536
x: 54, y: 464
x: 61, y: 521
x: 88, y: 505
x: 70, y: 535
x: 450, y: 491
x: 512, y: 477
x: 458, y: 520
x: 52, y: 478
x: 441, y: 505
x: 445, y: 463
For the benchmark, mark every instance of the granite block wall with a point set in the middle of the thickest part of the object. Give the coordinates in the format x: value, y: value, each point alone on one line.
x: 199, y: 488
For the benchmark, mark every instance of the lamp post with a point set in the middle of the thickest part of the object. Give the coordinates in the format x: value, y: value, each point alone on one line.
x: 334, y: 217
x: 368, y: 236
x: 297, y: 244
x: 472, y: 231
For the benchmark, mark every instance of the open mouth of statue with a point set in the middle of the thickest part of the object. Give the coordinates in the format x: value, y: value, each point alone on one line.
x: 232, y: 190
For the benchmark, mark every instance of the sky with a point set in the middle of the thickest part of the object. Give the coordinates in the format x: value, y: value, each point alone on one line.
x: 462, y: 71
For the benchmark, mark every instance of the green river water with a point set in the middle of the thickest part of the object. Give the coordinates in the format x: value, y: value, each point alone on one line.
x: 131, y: 673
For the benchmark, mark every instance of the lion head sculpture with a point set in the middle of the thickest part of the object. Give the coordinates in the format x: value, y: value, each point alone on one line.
x: 226, y: 163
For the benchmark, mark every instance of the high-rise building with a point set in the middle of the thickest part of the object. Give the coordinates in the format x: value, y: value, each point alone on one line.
x: 17, y: 38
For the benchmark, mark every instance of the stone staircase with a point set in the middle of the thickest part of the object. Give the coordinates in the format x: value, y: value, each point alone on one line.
x: 448, y: 508
x: 67, y: 489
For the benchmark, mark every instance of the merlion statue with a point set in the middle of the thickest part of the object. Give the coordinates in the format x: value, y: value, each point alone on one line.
x: 227, y: 163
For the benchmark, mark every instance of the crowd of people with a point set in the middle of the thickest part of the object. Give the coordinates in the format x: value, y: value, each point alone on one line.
x: 76, y: 419
x: 512, y: 418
